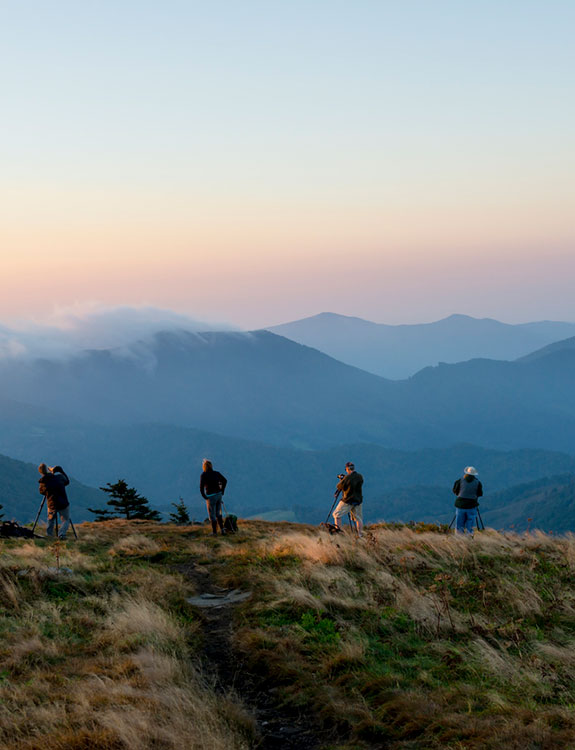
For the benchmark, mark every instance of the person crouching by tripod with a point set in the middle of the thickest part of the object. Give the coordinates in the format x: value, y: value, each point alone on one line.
x: 212, y: 486
x: 350, y: 485
x: 468, y: 489
x: 52, y: 484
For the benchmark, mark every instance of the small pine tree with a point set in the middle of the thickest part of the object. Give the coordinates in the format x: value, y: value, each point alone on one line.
x: 126, y: 503
x: 181, y: 516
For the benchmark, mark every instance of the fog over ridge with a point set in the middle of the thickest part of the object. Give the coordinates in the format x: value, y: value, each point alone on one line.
x: 68, y: 331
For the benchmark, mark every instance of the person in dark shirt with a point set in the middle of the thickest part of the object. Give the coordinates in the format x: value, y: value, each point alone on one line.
x: 468, y: 489
x: 212, y: 486
x: 52, y: 484
x: 350, y: 485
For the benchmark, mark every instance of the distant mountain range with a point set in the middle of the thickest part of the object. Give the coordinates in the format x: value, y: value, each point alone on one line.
x: 252, y: 385
x: 398, y: 351
x: 263, y: 387
x: 281, y: 419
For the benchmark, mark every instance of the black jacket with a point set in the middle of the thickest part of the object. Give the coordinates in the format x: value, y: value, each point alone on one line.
x: 211, y: 482
x: 53, y: 487
x: 351, y: 488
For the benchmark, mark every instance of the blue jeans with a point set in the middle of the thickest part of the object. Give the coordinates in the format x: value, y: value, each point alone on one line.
x: 465, y: 520
x: 214, y: 505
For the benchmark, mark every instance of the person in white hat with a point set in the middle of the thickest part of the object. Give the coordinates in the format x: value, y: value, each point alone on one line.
x: 468, y: 489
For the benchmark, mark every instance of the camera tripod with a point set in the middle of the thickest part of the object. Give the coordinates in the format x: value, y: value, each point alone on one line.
x: 332, y: 528
x: 38, y: 516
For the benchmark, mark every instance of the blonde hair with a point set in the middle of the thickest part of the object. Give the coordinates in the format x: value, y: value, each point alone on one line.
x: 206, y: 465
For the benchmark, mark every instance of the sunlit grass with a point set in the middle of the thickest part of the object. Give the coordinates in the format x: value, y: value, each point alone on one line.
x: 410, y: 638
x: 101, y: 654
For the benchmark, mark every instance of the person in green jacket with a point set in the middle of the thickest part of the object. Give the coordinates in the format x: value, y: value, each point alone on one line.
x: 350, y: 485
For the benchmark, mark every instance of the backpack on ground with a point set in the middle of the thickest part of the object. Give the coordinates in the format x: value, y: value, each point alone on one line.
x: 231, y: 523
x: 13, y: 530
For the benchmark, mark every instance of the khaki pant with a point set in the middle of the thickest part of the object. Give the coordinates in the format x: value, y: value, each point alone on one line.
x: 355, y: 511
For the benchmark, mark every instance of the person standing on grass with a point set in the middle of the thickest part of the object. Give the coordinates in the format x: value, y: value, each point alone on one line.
x: 52, y: 484
x: 350, y: 485
x: 212, y: 486
x: 468, y: 489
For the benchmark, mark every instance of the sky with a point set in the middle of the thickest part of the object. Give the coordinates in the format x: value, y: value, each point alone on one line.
x: 256, y: 162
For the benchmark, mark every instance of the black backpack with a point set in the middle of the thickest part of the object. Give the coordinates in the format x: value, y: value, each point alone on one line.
x: 231, y: 523
x: 13, y: 530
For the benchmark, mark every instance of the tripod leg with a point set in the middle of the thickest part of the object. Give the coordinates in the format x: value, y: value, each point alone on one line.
x: 332, y: 507
x: 482, y: 527
x: 452, y: 522
x: 38, y: 514
x: 73, y: 529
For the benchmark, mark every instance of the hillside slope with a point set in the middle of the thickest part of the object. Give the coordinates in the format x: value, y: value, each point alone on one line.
x: 408, y: 639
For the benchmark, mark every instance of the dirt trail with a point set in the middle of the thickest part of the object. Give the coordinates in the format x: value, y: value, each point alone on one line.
x: 280, y: 727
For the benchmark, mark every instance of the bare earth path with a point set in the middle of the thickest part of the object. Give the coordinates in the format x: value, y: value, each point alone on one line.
x: 280, y: 727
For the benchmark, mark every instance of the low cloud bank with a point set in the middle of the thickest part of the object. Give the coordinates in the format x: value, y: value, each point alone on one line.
x: 66, y: 332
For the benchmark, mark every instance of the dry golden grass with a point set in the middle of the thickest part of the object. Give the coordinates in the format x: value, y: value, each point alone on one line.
x: 143, y: 620
x: 161, y: 704
x: 135, y: 545
x: 457, y: 644
x: 29, y: 557
x: 8, y: 592
x: 415, y: 641
x: 107, y: 669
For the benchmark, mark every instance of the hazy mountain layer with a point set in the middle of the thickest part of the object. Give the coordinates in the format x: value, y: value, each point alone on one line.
x: 398, y: 351
x: 251, y: 385
x: 264, y: 387
x: 565, y: 345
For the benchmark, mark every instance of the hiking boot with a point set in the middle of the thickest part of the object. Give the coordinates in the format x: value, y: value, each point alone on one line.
x: 224, y: 532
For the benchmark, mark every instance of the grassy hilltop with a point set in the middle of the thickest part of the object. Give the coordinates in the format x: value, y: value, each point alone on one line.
x: 407, y: 639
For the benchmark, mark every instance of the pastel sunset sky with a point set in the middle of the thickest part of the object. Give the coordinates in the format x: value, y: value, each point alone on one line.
x: 257, y: 161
